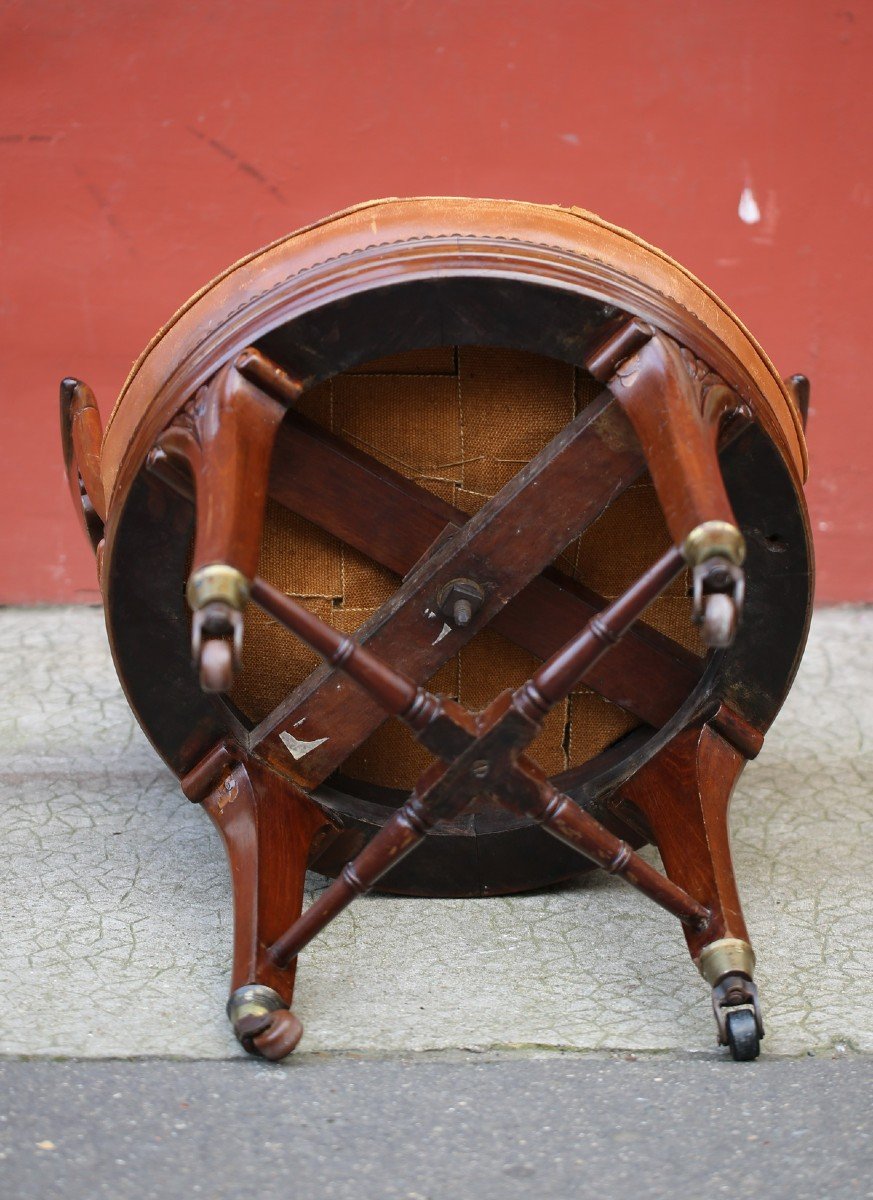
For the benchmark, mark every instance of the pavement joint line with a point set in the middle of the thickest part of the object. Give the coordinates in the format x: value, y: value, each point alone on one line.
x: 459, y: 1054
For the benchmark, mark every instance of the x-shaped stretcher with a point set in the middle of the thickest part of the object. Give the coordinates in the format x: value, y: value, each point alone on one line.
x: 660, y: 409
x: 480, y: 753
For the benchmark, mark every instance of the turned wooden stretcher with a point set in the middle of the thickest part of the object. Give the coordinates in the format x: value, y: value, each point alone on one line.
x: 528, y: 489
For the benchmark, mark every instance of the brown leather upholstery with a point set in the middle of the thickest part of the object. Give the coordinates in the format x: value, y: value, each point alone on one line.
x: 379, y: 222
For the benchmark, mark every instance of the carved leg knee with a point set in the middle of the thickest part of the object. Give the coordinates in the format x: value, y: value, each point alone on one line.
x: 224, y: 436
x: 676, y: 406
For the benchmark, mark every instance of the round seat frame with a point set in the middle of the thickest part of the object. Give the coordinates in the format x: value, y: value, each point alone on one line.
x: 210, y: 428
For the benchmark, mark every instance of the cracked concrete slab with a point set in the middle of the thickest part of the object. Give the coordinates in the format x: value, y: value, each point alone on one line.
x: 117, y: 922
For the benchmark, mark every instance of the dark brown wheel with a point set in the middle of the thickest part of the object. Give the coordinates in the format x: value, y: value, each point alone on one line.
x: 279, y: 1038
x: 742, y: 1033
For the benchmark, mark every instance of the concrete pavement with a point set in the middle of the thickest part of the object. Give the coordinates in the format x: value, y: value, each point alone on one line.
x: 344, y: 1129
x: 117, y: 924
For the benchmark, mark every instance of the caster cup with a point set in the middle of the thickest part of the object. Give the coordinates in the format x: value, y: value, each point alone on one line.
x: 727, y: 965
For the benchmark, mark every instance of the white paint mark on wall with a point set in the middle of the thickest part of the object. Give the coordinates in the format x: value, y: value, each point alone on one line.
x: 298, y: 748
x: 748, y: 209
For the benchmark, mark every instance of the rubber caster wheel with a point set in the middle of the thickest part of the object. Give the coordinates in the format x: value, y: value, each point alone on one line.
x: 216, y: 665
x: 742, y: 1035
x: 719, y: 621
x: 282, y: 1033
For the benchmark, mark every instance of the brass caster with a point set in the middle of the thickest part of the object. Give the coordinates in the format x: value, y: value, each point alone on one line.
x: 727, y: 965
x: 264, y: 1026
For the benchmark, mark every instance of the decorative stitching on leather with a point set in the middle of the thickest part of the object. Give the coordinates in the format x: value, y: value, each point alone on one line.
x: 488, y: 239
x: 407, y: 241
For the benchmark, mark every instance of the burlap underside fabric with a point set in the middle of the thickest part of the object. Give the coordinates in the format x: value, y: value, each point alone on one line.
x: 460, y: 422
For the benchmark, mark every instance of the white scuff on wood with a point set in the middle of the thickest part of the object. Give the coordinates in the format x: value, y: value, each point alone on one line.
x: 297, y: 747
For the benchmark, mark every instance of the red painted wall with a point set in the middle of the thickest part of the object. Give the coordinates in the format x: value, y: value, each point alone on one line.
x: 144, y: 146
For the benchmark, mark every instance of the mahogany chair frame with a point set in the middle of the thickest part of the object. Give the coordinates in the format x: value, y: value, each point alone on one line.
x: 188, y: 510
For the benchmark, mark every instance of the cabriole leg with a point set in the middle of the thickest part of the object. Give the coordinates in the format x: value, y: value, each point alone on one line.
x: 676, y: 406
x: 270, y: 831
x: 224, y: 436
x: 684, y: 794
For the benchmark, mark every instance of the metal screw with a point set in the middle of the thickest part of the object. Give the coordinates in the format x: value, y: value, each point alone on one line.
x: 480, y: 768
x: 462, y: 612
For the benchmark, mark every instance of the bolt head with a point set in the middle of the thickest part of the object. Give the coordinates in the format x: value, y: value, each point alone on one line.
x: 459, y: 601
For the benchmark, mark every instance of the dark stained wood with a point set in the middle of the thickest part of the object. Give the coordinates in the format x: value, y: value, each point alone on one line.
x: 621, y: 344
x: 684, y: 794
x: 645, y: 673
x: 676, y: 406
x: 481, y: 753
x: 480, y: 310
x: 508, y: 542
x: 565, y: 820
x: 225, y: 438
x: 396, y: 522
x: 561, y: 673
x: 210, y: 770
x: 355, y: 497
x: 395, y: 693
x: 269, y: 830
